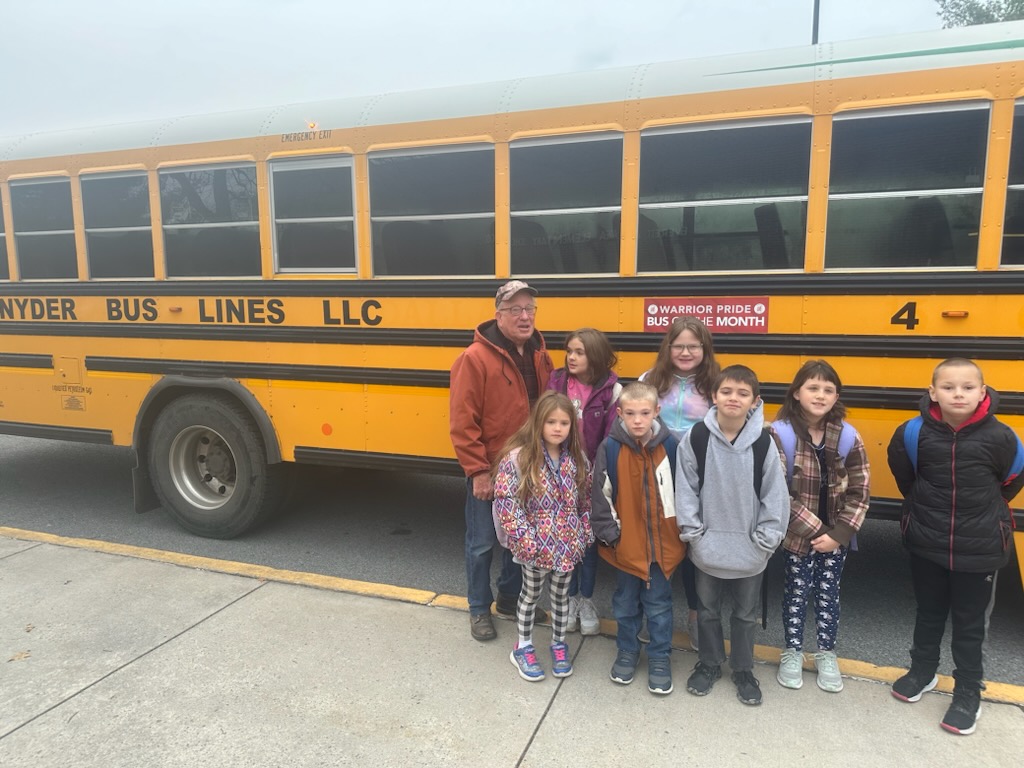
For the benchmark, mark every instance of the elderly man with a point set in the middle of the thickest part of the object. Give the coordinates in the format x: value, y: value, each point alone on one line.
x: 494, y: 383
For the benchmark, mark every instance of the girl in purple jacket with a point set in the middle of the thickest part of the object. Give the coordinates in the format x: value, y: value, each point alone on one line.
x: 589, y: 382
x: 542, y: 508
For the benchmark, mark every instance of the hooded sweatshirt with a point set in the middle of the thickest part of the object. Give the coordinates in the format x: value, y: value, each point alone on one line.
x: 731, y: 532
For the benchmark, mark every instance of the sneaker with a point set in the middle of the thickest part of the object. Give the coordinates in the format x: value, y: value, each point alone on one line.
x: 962, y: 716
x: 703, y: 679
x: 827, y: 665
x: 525, y: 660
x: 572, y: 620
x: 481, y: 627
x: 506, y: 605
x: 561, y: 664
x: 691, y: 631
x: 625, y: 667
x: 590, y: 622
x: 659, y: 676
x: 791, y: 669
x: 748, y: 690
x: 913, y: 685
x: 643, y: 635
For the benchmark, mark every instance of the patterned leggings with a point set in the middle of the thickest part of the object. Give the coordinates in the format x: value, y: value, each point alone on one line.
x: 813, y: 576
x: 533, y: 583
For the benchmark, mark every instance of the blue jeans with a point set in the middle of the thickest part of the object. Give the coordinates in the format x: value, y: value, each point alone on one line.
x: 584, y: 575
x: 632, y: 600
x: 480, y: 543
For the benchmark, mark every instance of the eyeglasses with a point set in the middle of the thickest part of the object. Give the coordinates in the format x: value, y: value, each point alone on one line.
x: 529, y: 310
x: 693, y: 349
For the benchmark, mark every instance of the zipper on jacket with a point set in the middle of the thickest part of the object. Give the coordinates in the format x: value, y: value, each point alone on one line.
x: 647, y: 503
x: 952, y: 510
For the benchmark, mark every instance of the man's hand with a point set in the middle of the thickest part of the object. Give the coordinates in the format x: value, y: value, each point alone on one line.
x: 483, y: 488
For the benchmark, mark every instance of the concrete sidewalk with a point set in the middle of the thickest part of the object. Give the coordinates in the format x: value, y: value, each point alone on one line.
x: 110, y: 659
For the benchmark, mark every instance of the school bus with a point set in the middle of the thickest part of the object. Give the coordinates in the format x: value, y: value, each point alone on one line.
x: 232, y: 293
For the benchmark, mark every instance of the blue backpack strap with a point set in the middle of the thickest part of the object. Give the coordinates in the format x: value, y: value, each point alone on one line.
x: 1018, y: 463
x: 847, y: 439
x: 911, y: 434
x: 788, y: 439
x: 611, y: 455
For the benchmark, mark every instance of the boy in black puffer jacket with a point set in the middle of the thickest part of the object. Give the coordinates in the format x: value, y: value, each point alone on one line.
x: 957, y: 468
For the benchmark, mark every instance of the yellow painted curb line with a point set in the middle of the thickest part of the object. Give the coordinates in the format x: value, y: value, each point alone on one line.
x: 334, y: 583
x: 998, y: 692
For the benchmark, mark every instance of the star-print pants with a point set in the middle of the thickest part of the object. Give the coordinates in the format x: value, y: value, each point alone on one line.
x: 814, y: 576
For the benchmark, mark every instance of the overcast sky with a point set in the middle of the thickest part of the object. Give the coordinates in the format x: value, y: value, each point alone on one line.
x: 71, y: 63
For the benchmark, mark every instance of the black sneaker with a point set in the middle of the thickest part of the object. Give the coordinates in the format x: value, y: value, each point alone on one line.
x: 962, y: 716
x: 748, y: 690
x: 659, y: 676
x: 913, y: 685
x: 506, y: 605
x: 624, y: 667
x: 702, y: 680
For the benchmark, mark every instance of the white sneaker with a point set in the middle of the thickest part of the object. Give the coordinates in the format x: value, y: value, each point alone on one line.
x: 791, y: 669
x: 590, y: 622
x: 574, y: 613
x: 827, y: 665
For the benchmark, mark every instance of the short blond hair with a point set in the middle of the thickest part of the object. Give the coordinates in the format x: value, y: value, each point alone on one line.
x: 638, y: 391
x: 957, y: 362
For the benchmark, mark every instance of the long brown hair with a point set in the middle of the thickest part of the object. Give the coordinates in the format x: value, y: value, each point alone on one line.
x: 529, y: 439
x: 601, y: 358
x: 791, y: 410
x: 662, y: 375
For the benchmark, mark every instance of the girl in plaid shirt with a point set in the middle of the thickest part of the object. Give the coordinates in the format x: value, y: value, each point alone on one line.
x: 828, y: 499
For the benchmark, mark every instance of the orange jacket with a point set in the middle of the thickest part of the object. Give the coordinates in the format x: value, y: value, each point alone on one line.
x: 638, y: 518
x: 488, y: 399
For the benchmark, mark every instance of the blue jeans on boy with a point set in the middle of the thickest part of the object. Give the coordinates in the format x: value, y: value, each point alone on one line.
x: 480, y: 543
x: 584, y: 575
x: 633, y: 599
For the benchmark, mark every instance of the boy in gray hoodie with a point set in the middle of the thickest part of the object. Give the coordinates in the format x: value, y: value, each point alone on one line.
x: 731, y: 531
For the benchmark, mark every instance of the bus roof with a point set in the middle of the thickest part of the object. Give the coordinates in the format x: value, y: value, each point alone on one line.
x: 990, y: 43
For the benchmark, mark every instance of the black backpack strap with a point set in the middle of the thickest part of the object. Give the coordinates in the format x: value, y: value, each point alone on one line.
x: 699, y: 436
x: 761, y: 446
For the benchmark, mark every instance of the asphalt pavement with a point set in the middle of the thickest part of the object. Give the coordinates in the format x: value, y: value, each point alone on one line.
x: 112, y: 655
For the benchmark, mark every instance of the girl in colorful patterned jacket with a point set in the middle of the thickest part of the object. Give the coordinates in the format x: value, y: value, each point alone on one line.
x: 542, y: 510
x: 828, y: 473
x: 593, y: 387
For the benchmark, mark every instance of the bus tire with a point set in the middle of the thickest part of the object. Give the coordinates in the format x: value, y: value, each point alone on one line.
x: 209, y: 467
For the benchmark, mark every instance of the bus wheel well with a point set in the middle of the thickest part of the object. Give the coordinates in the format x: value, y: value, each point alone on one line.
x: 208, y: 465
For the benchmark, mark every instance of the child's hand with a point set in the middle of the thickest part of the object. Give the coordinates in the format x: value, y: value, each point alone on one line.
x: 824, y: 544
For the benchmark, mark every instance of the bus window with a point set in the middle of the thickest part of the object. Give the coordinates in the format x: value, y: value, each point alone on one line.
x: 5, y: 270
x: 118, y: 233
x: 432, y: 211
x: 730, y: 196
x: 905, y: 189
x: 314, y: 226
x: 566, y: 198
x: 1013, y: 228
x: 44, y: 229
x: 210, y: 221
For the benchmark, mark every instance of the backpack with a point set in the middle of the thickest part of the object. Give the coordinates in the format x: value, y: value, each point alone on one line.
x: 787, y: 437
x: 912, y: 434
x: 847, y: 439
x: 699, y: 436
